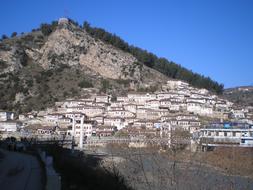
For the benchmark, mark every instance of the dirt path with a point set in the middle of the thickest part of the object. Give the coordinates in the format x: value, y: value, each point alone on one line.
x: 19, y: 172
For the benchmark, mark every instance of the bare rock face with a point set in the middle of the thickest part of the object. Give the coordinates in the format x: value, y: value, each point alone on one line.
x: 39, y: 68
x: 10, y: 62
x: 71, y: 45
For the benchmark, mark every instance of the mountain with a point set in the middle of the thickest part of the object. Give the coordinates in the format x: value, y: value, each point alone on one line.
x: 242, y: 95
x: 62, y: 59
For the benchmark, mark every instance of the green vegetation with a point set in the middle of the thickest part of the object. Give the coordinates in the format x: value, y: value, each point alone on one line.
x: 123, y: 82
x: 47, y: 29
x: 162, y: 65
x: 105, y: 85
x: 4, y: 37
x: 14, y: 34
x: 85, y: 84
x: 3, y: 64
x: 41, y: 88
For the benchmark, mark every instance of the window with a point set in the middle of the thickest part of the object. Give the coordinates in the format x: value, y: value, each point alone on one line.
x: 225, y: 134
x: 234, y: 134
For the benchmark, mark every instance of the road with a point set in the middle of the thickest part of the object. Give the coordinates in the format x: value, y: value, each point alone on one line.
x: 19, y: 172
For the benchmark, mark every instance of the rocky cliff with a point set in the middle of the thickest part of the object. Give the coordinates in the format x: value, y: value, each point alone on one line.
x: 38, y: 68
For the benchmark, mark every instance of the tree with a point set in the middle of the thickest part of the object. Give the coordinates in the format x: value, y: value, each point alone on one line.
x: 4, y: 37
x: 86, y: 25
x: 14, y: 34
x: 85, y: 84
x: 105, y: 85
x: 46, y: 29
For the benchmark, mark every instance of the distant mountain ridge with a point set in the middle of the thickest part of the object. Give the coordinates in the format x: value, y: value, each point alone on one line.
x: 239, y: 88
x: 242, y: 95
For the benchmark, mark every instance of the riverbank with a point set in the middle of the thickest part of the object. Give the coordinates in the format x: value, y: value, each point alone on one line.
x: 149, y: 169
x: 82, y: 171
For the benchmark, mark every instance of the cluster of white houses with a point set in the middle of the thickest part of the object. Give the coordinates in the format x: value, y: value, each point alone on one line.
x: 178, y: 105
x: 7, y: 122
x: 229, y: 133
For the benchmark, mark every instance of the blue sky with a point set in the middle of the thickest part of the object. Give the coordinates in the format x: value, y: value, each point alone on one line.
x: 211, y: 37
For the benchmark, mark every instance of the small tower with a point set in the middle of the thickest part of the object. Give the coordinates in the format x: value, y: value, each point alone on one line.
x: 63, y: 21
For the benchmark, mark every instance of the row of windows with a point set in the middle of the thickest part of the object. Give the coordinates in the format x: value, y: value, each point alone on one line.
x: 225, y: 134
x: 78, y: 133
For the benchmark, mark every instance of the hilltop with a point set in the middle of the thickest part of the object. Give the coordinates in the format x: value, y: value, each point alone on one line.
x: 62, y: 59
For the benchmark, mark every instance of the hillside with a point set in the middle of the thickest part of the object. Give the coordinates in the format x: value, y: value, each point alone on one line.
x: 62, y: 59
x: 241, y: 95
x: 168, y: 68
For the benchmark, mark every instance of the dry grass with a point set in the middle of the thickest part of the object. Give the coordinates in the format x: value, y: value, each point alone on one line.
x: 231, y: 161
x: 235, y: 161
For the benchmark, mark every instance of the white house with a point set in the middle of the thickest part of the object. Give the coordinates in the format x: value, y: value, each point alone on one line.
x: 176, y: 84
x: 115, y: 121
x: 105, y: 131
x: 163, y: 95
x: 8, y: 126
x: 174, y: 106
x: 102, y: 98
x: 153, y: 104
x: 99, y: 119
x: 143, y: 124
x: 130, y: 107
x: 4, y: 116
x: 90, y: 111
x: 89, y: 127
x: 120, y: 113
x: 165, y: 103
x: 225, y: 135
x: 238, y: 113
x: 122, y: 98
x: 140, y: 98
x: 199, y: 108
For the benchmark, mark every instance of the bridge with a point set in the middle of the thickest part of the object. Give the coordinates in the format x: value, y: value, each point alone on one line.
x: 134, y: 140
x: 96, y: 141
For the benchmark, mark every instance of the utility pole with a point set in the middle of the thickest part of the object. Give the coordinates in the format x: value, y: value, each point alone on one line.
x: 73, y: 133
x: 81, y: 133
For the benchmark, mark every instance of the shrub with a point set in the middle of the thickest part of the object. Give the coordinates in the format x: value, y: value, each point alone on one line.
x: 46, y: 29
x: 105, y: 85
x: 4, y: 37
x: 85, y: 84
x: 3, y: 64
x: 14, y: 34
